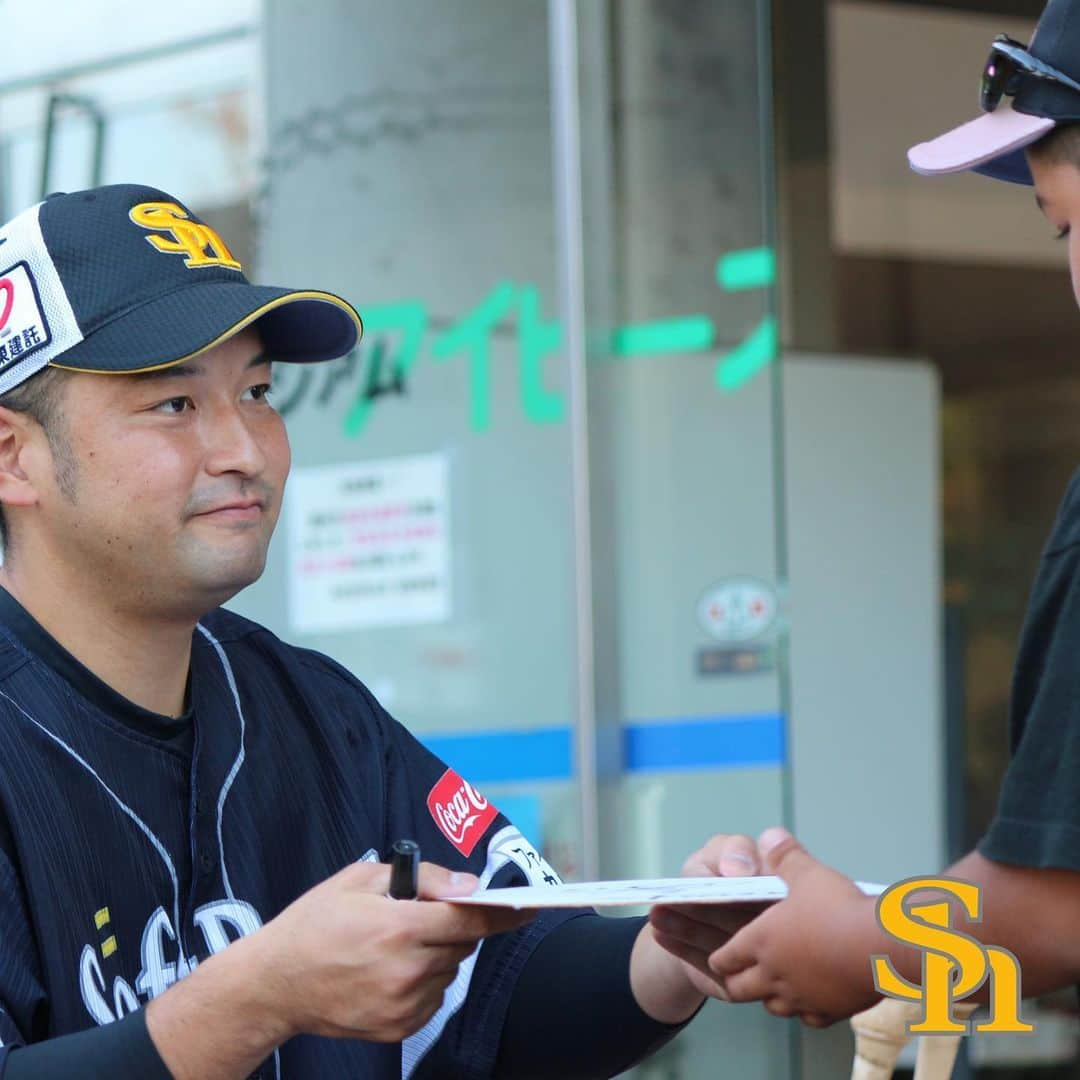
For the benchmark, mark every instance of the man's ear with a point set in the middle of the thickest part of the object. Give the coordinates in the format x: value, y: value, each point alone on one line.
x: 16, y: 488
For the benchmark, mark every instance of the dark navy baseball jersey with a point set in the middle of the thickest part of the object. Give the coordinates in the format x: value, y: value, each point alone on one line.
x: 133, y: 846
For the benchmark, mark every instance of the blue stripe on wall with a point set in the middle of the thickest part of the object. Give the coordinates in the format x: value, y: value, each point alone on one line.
x: 714, y: 742
x: 487, y: 757
x: 699, y: 742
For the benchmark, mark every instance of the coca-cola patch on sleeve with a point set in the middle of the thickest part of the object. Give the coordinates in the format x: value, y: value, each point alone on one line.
x: 461, y: 812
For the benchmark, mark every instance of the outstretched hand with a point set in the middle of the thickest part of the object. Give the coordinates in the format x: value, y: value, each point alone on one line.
x: 692, y: 932
x: 808, y: 955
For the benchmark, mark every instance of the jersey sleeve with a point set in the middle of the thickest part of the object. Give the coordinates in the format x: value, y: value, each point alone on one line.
x: 118, y: 1051
x: 10, y: 1039
x: 593, y: 1027
x: 22, y: 998
x: 457, y: 827
x: 1037, y: 822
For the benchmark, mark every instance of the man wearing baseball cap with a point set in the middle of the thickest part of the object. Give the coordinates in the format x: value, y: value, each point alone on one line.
x: 809, y: 956
x: 195, y: 817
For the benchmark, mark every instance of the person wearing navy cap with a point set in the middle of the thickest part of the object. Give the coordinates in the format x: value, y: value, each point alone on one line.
x: 810, y: 955
x: 195, y: 817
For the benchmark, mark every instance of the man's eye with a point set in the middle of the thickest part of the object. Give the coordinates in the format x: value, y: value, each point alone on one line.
x: 175, y: 406
x: 260, y: 392
x: 1063, y: 232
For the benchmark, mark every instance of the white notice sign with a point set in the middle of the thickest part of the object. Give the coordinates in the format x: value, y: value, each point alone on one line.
x: 369, y: 544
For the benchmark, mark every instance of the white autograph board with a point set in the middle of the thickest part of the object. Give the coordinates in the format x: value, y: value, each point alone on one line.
x: 705, y: 890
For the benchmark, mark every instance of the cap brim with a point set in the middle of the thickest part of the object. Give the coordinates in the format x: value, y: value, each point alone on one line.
x: 298, y: 326
x: 990, y: 144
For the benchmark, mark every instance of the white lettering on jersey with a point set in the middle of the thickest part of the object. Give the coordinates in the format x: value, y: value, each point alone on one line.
x: 213, y: 919
x: 163, y: 963
x: 92, y: 985
x: 157, y: 974
x: 124, y: 999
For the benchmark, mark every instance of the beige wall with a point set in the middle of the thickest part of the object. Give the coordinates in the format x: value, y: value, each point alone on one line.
x: 901, y: 74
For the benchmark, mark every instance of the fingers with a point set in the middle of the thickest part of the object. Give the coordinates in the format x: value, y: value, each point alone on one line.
x: 696, y: 959
x: 737, y: 955
x: 366, y: 877
x: 448, y: 924
x: 432, y: 922
x: 435, y: 882
x: 678, y: 947
x: 442, y: 962
x: 782, y: 854
x: 706, y: 936
x: 755, y: 982
x: 453, y: 955
x: 751, y: 984
x: 725, y: 855
x: 482, y: 922
x: 730, y: 918
x: 779, y: 1007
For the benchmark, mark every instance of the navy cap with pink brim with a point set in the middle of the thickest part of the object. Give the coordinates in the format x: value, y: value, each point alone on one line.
x: 992, y: 144
x: 1045, y: 89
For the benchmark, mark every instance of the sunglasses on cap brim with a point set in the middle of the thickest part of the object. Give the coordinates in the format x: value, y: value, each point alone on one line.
x: 1009, y: 61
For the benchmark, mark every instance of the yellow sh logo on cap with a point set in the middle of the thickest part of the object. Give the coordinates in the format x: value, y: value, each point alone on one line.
x: 199, y: 243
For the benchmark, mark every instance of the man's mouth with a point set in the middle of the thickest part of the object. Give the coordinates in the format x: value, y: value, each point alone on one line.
x: 238, y: 510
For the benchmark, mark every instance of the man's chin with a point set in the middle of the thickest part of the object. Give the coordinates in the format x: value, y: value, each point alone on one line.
x: 217, y: 585
x: 222, y: 593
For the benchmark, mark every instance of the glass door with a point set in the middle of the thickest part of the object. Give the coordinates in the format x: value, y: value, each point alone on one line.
x: 680, y: 334
x: 536, y: 510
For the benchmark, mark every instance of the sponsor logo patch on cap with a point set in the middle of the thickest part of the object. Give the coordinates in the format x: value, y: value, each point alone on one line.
x: 461, y: 812
x: 23, y: 326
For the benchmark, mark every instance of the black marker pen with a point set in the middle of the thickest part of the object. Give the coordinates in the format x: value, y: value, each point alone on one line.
x: 404, y: 870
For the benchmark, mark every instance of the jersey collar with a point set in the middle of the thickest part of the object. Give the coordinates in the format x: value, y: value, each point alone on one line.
x: 36, y: 640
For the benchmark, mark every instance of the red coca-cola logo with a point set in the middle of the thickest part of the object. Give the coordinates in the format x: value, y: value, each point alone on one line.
x: 461, y: 812
x: 7, y: 287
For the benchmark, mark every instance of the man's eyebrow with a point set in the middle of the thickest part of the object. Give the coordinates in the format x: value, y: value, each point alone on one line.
x: 182, y: 371
x: 174, y: 371
x: 1039, y: 202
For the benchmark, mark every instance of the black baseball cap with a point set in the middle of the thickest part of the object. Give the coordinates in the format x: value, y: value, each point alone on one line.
x: 125, y: 278
x: 993, y: 144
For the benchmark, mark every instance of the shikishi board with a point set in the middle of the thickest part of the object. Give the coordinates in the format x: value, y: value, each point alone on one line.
x: 703, y: 890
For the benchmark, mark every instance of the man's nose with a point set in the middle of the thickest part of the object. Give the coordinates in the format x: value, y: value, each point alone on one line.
x: 232, y: 445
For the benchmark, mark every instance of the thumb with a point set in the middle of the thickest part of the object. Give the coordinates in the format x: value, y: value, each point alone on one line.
x: 782, y: 854
x: 436, y: 881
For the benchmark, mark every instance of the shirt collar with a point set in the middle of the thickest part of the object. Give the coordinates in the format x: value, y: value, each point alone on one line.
x: 35, y: 639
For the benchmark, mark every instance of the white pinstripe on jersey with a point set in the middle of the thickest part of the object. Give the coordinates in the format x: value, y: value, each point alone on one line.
x: 145, y: 829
